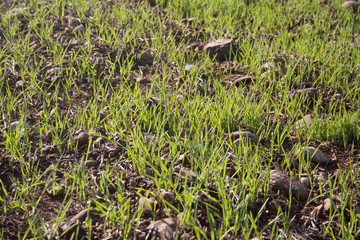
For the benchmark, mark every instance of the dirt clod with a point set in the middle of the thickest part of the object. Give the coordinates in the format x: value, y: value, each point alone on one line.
x: 145, y: 58
x: 165, y: 228
x: 281, y: 182
x: 351, y: 4
x: 308, y: 93
x: 252, y: 137
x: 315, y: 155
x: 168, y: 196
x: 148, y: 204
x: 80, y: 30
x: 82, y: 139
x: 185, y: 173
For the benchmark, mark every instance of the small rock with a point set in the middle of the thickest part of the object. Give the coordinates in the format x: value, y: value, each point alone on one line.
x: 148, y: 204
x: 184, y: 159
x: 219, y: 49
x: 19, y: 84
x: 245, y: 135
x: 165, y: 228
x: 351, y: 4
x: 306, y: 121
x: 315, y: 155
x: 305, y: 181
x: 168, y: 196
x: 81, y: 216
x: 281, y: 182
x: 73, y: 227
x: 184, y: 173
x: 57, y: 191
x: 322, y: 179
x: 242, y: 80
x: 145, y: 58
x: 338, y: 96
x: 16, y: 12
x: 80, y: 30
x: 308, y: 93
x: 327, y: 205
x: 192, y: 69
x: 316, y: 212
x: 82, y: 139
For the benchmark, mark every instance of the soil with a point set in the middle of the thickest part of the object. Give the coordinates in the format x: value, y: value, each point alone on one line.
x: 309, y: 220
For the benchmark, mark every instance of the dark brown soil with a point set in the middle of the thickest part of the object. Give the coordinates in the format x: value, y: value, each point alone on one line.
x: 103, y: 154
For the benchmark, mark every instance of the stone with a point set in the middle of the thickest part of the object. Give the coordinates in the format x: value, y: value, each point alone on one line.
x: 351, y: 4
x: 322, y: 179
x: 338, y: 96
x: 168, y: 196
x: 80, y: 30
x: 16, y: 12
x: 165, y: 228
x: 305, y: 181
x: 185, y: 173
x: 253, y: 138
x: 315, y: 155
x: 220, y: 49
x: 82, y: 139
x: 148, y: 204
x: 57, y: 191
x: 315, y: 213
x: 19, y: 84
x: 192, y: 69
x: 308, y: 93
x: 281, y: 182
x: 306, y: 121
x: 327, y: 205
x: 73, y: 228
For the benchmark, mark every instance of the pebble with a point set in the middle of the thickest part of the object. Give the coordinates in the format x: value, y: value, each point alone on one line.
x: 351, y: 4
x: 306, y: 121
x: 322, y: 179
x: 16, y: 12
x: 338, y: 96
x: 254, y: 139
x: 315, y: 155
x: 219, y: 49
x: 327, y: 205
x: 165, y: 228
x: 281, y: 182
x: 19, y: 84
x: 305, y: 181
x: 80, y: 30
x: 316, y: 212
x: 74, y: 225
x: 309, y: 93
x: 148, y: 204
x: 192, y: 69
x: 185, y: 173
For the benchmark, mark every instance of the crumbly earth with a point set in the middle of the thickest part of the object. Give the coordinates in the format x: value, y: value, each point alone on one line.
x: 98, y: 154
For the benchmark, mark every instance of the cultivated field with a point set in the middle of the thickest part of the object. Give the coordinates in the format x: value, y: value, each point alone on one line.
x: 179, y: 119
